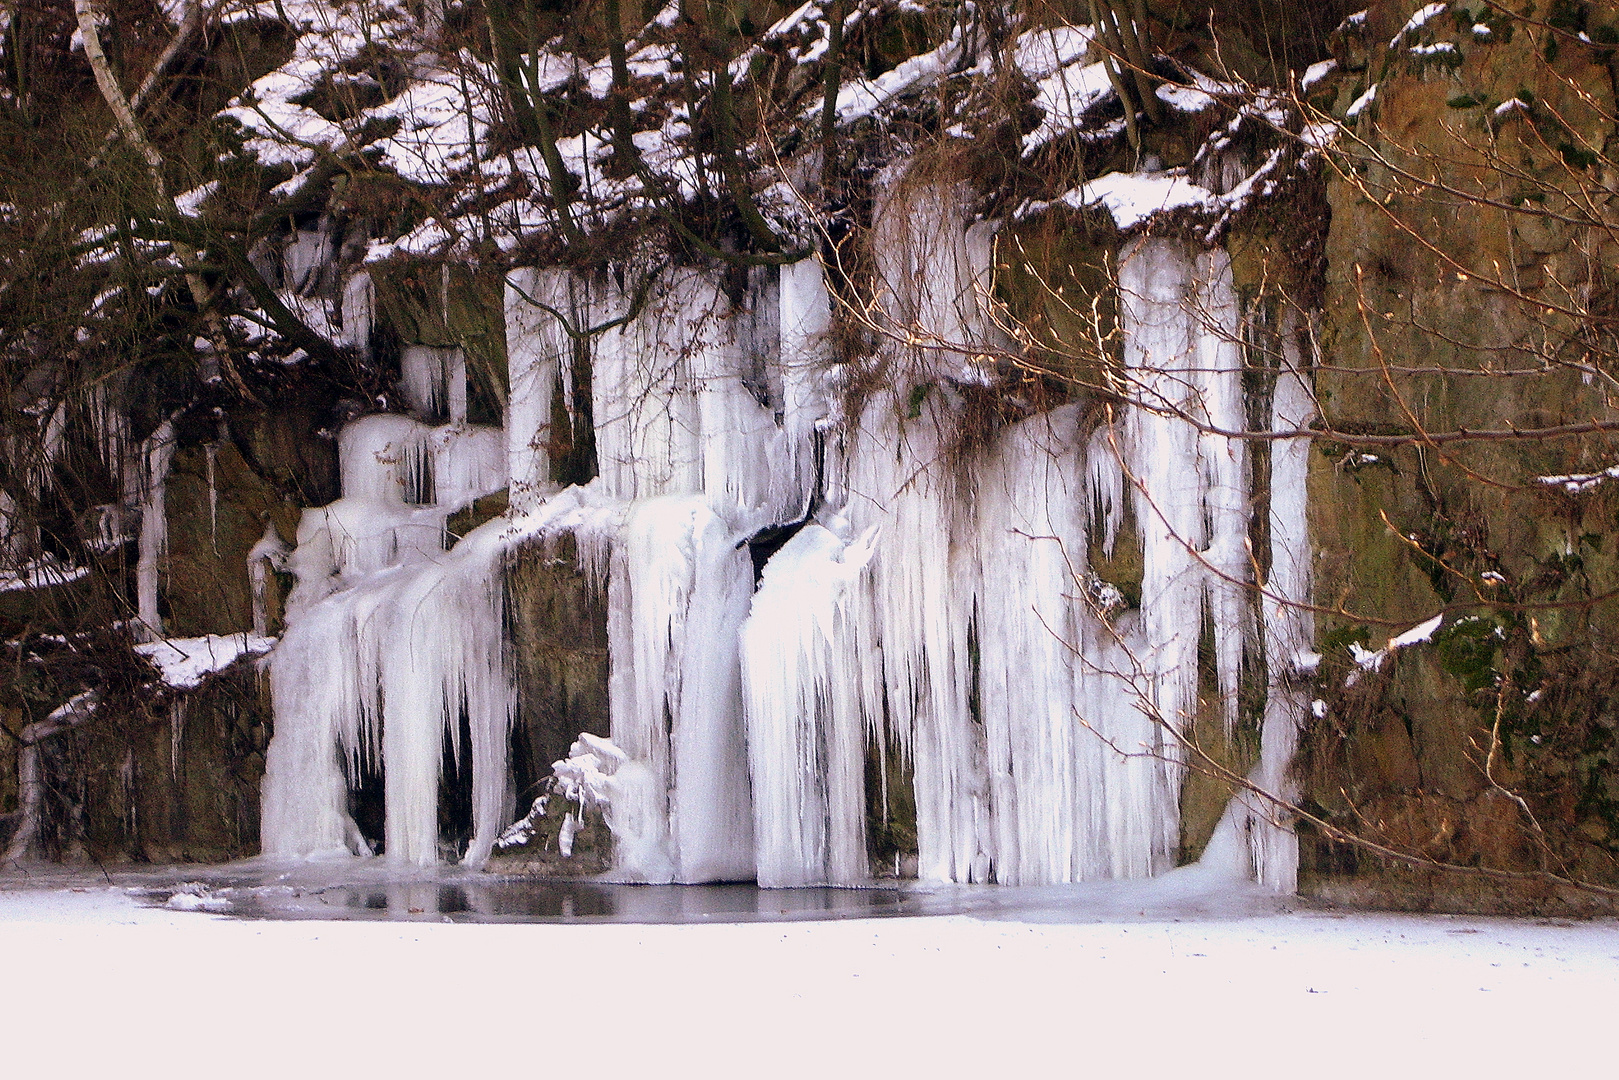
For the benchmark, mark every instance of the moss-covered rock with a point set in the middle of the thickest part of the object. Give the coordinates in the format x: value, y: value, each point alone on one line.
x: 1447, y: 310
x: 177, y: 783
x: 559, y: 643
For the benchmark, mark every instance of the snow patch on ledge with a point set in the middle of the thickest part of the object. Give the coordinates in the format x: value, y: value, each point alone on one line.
x: 1315, y: 73
x: 1132, y: 197
x: 1362, y: 103
x: 185, y: 662
x: 1370, y: 660
x: 1580, y: 483
x: 859, y: 98
x: 1418, y: 21
x: 39, y: 574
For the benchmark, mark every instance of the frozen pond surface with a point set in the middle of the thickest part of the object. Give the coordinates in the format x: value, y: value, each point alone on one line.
x: 371, y: 890
x: 1176, y: 978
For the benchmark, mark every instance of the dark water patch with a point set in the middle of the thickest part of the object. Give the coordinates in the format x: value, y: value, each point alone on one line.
x: 509, y: 900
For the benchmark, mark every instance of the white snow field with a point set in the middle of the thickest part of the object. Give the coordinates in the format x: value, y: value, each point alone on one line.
x: 97, y: 985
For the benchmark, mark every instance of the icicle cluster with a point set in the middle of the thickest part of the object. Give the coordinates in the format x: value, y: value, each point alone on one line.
x: 390, y: 642
x: 919, y: 598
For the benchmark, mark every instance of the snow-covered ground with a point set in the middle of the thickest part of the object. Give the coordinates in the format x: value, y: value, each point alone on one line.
x: 96, y: 984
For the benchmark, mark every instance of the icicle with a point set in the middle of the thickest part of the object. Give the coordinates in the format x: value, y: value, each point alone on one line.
x: 359, y: 301
x: 647, y: 421
x: 52, y: 441
x: 537, y: 352
x: 1224, y: 464
x: 307, y: 253
x: 678, y: 594
x: 11, y: 547
x: 177, y: 730
x: 159, y: 454
x: 805, y: 310
x: 382, y: 459
x: 468, y: 463
x: 1156, y: 281
x: 425, y: 376
x: 1104, y: 455
x: 1255, y: 836
x: 270, y: 553
x: 31, y: 782
x: 455, y: 386
x: 210, y: 451
x: 434, y: 381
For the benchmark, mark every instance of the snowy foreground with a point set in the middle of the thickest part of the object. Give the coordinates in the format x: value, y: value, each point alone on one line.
x: 98, y: 984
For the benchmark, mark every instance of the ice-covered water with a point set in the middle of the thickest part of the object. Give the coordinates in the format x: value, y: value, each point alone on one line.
x: 1013, y: 995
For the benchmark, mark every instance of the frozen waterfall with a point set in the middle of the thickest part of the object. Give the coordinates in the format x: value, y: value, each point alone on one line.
x: 921, y: 596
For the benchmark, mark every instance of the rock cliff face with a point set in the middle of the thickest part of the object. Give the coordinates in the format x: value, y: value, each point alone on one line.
x: 1016, y: 446
x: 1467, y: 285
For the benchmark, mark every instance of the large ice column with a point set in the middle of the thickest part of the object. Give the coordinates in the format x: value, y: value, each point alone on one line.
x: 678, y: 594
x: 917, y: 623
x: 1257, y: 837
x: 1031, y: 496
x: 805, y: 313
x: 901, y: 476
x: 442, y: 657
x: 1183, y: 369
x: 710, y: 805
x: 320, y: 702
x: 1078, y: 787
x: 1155, y: 286
x: 806, y: 729
x: 390, y: 642
x: 376, y: 674
x: 539, y: 354
x: 1289, y: 622
x: 1131, y: 775
x: 643, y: 397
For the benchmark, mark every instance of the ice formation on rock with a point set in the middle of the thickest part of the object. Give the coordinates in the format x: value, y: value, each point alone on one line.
x: 806, y: 730
x: 390, y: 642
x: 158, y: 452
x: 920, y: 597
